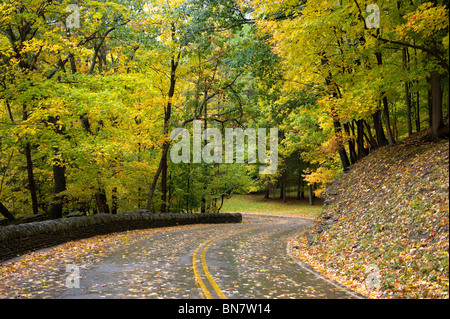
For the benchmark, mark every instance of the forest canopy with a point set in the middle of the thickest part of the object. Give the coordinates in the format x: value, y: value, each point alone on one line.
x: 91, y: 90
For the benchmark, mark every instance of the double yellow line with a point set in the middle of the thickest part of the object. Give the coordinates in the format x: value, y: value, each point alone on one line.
x: 204, y: 246
x: 195, y: 260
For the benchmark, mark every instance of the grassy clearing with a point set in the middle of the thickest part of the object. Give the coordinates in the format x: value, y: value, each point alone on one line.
x: 256, y: 203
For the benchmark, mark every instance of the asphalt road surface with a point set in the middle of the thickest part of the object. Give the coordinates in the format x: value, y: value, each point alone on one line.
x: 226, y: 261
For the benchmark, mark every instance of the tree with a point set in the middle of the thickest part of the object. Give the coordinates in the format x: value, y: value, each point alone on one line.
x: 328, y: 47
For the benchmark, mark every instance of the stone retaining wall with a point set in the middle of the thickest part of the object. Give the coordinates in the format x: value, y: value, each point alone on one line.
x: 16, y: 240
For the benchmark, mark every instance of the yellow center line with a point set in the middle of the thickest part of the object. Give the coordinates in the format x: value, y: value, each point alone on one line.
x: 197, y: 274
x: 208, y: 276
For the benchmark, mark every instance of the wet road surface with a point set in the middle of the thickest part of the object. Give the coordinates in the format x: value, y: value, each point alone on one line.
x: 227, y: 261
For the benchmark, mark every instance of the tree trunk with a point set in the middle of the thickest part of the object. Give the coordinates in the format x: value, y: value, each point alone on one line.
x: 351, y: 144
x: 5, y: 212
x: 31, y: 183
x: 378, y: 126
x: 430, y: 106
x: 417, y: 111
x: 407, y: 94
x: 303, y: 190
x: 284, y: 185
x: 170, y: 190
x: 162, y: 168
x: 311, y: 194
x: 139, y: 197
x: 360, y: 139
x: 437, y: 119
x: 188, y: 191
x: 156, y: 177
x: 164, y: 180
x: 203, y: 205
x: 342, y: 153
x: 167, y: 115
x: 114, y: 205
x: 221, y: 203
x: 102, y: 203
x: 370, y: 139
x: 337, y: 124
x: 394, y: 124
x: 281, y: 187
x: 59, y: 176
x: 408, y: 109
x: 387, y: 121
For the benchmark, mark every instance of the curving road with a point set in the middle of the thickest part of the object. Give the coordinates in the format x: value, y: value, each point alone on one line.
x: 227, y: 261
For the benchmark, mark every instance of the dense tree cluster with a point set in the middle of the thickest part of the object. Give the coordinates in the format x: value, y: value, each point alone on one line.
x: 90, y: 91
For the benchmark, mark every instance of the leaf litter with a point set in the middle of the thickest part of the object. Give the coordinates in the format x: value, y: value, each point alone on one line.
x: 390, y: 213
x: 42, y: 274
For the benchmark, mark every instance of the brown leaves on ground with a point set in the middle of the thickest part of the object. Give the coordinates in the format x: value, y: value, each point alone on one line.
x: 390, y: 213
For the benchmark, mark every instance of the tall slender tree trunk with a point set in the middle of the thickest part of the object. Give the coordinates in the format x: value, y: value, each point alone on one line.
x: 342, y: 153
x: 430, y: 105
x: 408, y: 109
x: 417, y: 110
x: 114, y: 204
x: 378, y: 126
x: 31, y: 183
x: 387, y: 121
x: 164, y: 181
x: 167, y: 114
x: 311, y: 194
x: 162, y: 168
x: 299, y: 186
x: 336, y: 122
x: 351, y: 144
x: 59, y: 177
x: 170, y: 191
x: 221, y: 203
x: 370, y: 139
x: 188, y: 190
x: 360, y: 139
x: 437, y: 120
x: 205, y: 127
x: 281, y: 187
x: 384, y: 99
x: 394, y: 123
x: 156, y: 177
x: 407, y: 94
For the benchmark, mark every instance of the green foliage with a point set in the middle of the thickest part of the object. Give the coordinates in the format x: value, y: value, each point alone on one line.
x: 92, y: 99
x: 99, y: 99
